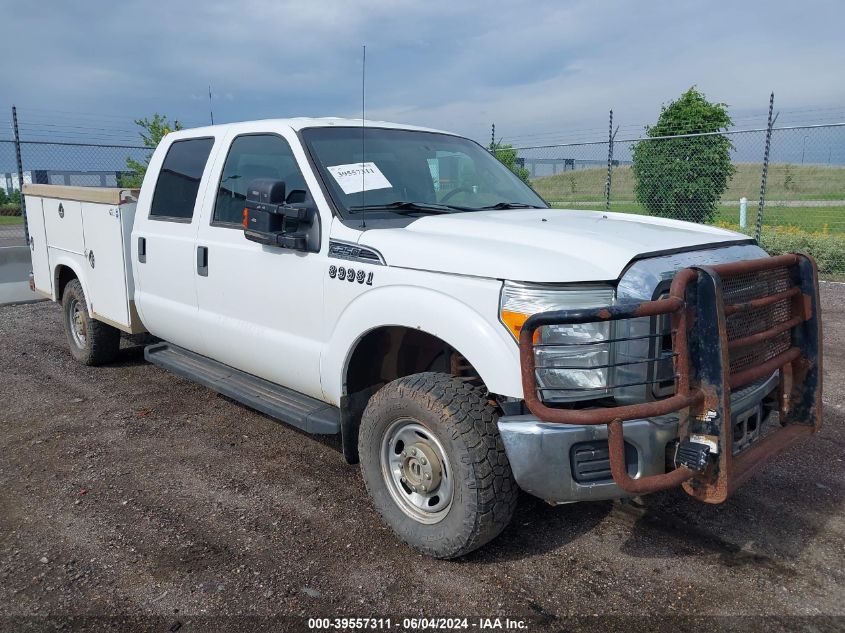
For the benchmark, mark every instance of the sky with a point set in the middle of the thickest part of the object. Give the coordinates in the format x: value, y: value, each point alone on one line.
x: 539, y: 70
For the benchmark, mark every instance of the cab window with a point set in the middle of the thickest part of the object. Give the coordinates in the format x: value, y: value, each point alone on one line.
x: 255, y: 156
x: 175, y: 194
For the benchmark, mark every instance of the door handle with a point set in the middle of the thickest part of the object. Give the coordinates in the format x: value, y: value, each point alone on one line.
x: 142, y: 250
x: 202, y: 261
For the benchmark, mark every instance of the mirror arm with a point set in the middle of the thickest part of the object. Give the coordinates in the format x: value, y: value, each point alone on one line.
x: 294, y: 242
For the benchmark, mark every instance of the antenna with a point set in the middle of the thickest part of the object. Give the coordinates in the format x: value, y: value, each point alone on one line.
x: 210, y: 110
x: 363, y: 176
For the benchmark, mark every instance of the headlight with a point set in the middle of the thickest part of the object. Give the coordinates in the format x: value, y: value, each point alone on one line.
x: 572, y: 360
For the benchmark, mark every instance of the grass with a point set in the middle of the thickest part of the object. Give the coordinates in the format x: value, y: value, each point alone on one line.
x: 10, y: 219
x: 806, y: 218
x: 794, y: 183
x: 785, y: 182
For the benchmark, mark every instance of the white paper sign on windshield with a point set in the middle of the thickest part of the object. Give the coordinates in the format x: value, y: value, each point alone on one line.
x: 357, y: 177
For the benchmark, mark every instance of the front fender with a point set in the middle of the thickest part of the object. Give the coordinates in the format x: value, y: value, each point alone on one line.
x: 480, y: 338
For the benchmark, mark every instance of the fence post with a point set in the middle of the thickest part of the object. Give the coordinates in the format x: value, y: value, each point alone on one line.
x: 759, y: 228
x: 609, y: 163
x: 20, y: 172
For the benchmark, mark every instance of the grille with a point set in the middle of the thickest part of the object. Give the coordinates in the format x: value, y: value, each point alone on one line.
x: 663, y: 370
x: 746, y: 287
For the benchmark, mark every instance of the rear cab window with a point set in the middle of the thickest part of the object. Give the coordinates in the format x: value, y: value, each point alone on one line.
x: 175, y: 194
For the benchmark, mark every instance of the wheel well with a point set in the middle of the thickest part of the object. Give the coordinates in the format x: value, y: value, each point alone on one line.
x: 388, y: 353
x: 385, y: 354
x: 64, y: 275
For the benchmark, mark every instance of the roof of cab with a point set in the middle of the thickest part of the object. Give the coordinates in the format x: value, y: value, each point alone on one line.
x: 299, y: 123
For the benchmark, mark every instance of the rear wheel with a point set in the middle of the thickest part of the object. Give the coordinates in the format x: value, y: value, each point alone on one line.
x: 91, y: 342
x: 434, y: 464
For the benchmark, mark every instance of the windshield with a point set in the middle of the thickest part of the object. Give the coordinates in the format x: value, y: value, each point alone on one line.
x: 408, y: 172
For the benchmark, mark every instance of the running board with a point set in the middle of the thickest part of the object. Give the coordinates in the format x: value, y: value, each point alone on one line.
x: 306, y: 413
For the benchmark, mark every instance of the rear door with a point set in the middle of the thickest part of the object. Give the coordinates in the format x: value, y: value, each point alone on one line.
x: 164, y: 239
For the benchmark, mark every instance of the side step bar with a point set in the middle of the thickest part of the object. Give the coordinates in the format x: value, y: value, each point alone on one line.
x: 304, y: 412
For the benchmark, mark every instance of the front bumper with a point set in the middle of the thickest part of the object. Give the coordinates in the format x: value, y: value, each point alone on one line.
x: 541, y: 453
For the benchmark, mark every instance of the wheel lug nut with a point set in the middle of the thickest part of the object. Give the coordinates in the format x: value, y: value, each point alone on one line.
x: 423, y: 461
x: 427, y: 476
x: 414, y: 452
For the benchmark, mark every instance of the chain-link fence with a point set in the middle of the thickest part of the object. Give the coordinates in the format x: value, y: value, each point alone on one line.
x: 65, y: 163
x: 714, y: 178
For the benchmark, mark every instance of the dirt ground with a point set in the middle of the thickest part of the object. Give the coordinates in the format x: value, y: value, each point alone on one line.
x: 131, y: 499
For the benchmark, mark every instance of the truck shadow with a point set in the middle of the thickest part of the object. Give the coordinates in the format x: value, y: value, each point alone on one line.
x: 332, y: 442
x: 131, y: 351
x: 129, y: 356
x: 538, y: 527
x: 767, y: 523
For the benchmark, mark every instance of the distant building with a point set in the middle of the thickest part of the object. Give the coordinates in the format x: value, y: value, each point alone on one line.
x: 9, y: 180
x: 540, y: 167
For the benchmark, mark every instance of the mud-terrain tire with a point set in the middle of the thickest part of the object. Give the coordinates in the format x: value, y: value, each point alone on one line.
x: 91, y: 342
x: 451, y: 429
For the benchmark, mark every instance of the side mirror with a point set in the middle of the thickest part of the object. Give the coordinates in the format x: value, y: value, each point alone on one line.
x: 270, y: 220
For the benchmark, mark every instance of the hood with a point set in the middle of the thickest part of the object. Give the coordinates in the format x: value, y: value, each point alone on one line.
x: 538, y: 245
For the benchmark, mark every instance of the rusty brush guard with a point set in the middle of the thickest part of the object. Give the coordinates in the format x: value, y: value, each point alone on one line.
x: 731, y: 325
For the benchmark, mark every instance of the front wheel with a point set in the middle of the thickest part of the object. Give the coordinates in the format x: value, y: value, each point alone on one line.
x: 434, y: 464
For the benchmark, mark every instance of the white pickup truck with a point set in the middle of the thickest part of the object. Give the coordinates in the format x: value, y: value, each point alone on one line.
x: 402, y: 288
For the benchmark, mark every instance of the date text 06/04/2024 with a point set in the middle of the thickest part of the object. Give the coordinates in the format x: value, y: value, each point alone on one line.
x: 417, y: 624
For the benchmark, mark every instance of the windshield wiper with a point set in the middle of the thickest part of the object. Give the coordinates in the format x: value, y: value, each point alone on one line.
x: 509, y: 205
x: 406, y: 206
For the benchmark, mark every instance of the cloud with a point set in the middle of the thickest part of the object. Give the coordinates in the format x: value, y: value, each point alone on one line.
x: 527, y: 66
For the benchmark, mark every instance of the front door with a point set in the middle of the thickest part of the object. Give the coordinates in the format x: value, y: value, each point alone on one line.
x: 260, y: 306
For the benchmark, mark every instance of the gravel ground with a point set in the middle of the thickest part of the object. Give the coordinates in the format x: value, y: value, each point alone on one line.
x: 131, y: 499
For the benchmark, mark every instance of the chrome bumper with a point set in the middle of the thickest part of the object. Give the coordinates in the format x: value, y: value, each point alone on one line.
x: 540, y: 452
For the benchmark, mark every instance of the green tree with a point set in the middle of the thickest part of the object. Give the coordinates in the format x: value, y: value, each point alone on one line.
x: 4, y: 197
x: 684, y: 178
x: 507, y: 156
x: 152, y: 131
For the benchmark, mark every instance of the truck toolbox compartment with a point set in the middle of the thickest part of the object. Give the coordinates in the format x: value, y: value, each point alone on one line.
x: 306, y: 413
x: 63, y: 222
x: 87, y: 229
